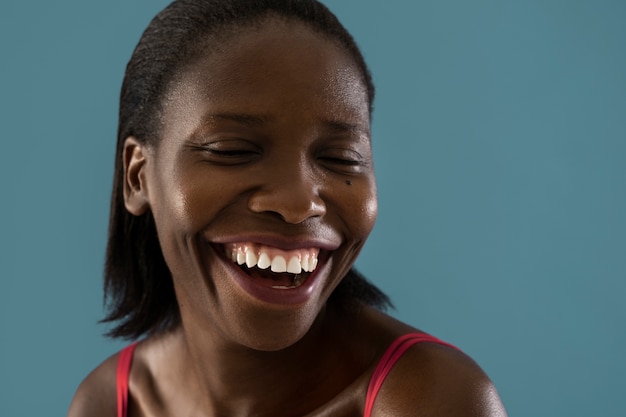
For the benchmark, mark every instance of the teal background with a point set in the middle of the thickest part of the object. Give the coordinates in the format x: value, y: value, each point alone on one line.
x: 500, y: 144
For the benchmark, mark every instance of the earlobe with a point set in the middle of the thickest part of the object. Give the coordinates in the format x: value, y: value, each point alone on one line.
x: 135, y: 186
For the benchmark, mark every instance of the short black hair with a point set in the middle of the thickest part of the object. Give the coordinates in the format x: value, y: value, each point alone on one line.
x: 138, y: 288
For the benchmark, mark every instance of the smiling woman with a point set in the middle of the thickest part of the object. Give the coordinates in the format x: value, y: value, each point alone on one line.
x: 244, y: 191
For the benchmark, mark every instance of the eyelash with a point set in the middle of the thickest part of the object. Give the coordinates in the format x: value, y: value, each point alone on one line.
x: 231, y: 153
x: 342, y: 161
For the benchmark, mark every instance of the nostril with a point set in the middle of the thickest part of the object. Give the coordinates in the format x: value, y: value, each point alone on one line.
x: 293, y: 205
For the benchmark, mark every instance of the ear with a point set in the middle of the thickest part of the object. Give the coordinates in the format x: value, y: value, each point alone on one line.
x: 135, y: 185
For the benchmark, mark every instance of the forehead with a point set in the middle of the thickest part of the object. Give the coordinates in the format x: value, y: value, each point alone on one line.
x: 275, y: 64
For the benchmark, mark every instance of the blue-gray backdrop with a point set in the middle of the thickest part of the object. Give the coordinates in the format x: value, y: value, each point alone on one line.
x: 500, y: 141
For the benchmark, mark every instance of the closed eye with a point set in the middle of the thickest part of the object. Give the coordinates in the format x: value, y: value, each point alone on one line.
x: 231, y: 152
x: 227, y: 151
x: 343, y: 160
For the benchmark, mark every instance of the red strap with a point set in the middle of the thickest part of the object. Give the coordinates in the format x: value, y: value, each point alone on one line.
x: 123, y: 372
x: 389, y: 359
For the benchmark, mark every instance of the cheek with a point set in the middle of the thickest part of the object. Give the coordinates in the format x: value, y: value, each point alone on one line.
x: 186, y: 203
x: 362, y: 208
x: 370, y: 210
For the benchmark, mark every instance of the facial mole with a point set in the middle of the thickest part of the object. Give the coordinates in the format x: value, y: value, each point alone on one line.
x: 348, y: 182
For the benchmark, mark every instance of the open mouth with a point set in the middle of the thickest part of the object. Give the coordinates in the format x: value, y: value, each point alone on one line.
x: 272, y: 267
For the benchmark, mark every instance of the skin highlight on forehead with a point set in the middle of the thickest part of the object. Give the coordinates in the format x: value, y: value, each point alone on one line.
x: 239, y: 66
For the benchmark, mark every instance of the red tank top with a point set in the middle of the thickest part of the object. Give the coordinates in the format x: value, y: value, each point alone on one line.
x: 386, y: 363
x: 123, y: 373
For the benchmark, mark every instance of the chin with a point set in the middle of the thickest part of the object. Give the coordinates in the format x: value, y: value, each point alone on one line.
x: 278, y: 331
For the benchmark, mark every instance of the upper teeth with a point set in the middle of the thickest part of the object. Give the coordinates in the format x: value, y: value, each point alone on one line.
x: 263, y: 257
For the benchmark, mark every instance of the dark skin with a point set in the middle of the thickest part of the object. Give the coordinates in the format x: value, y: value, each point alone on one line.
x: 269, y: 141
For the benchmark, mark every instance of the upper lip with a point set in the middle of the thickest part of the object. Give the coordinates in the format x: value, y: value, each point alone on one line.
x: 281, y: 241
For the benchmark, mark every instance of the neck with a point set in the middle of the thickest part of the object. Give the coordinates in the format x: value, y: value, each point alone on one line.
x: 236, y: 380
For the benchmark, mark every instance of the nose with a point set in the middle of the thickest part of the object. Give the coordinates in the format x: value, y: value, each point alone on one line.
x: 293, y: 195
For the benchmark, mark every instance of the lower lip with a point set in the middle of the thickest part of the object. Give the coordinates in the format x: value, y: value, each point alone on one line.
x: 277, y: 296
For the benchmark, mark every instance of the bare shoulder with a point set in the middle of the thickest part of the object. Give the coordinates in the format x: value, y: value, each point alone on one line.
x: 435, y: 380
x: 96, y: 395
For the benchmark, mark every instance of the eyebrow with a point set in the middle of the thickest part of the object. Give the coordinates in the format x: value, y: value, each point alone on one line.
x: 252, y: 120
x: 343, y: 127
x: 246, y: 119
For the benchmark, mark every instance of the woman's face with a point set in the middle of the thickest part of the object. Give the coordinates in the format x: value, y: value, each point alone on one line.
x: 262, y: 186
